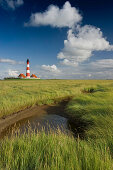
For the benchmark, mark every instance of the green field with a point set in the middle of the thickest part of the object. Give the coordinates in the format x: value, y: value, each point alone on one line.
x: 16, y: 95
x: 91, y: 109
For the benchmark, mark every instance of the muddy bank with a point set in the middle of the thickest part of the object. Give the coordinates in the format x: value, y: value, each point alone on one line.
x: 22, y: 115
x: 35, y: 111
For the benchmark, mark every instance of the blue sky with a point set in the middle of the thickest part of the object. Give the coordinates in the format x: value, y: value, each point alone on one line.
x: 63, y: 39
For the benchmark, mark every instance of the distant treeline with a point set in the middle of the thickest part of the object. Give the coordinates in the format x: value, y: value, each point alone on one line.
x: 7, y: 78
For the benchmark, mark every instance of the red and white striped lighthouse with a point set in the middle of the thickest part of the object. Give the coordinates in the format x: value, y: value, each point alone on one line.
x: 28, y: 70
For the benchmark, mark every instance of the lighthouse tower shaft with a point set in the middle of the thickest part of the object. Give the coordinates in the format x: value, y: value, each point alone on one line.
x: 28, y: 70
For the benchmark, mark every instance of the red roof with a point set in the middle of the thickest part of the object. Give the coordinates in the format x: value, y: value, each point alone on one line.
x: 34, y: 76
x: 22, y: 76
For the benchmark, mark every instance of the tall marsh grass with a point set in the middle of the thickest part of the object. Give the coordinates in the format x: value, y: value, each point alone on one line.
x: 96, y: 111
x: 53, y: 151
x: 89, y: 109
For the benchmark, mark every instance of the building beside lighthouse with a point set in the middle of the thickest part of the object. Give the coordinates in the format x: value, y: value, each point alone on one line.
x: 22, y: 76
x: 33, y: 76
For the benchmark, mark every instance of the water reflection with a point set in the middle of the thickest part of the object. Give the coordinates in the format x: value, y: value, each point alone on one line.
x: 45, y: 122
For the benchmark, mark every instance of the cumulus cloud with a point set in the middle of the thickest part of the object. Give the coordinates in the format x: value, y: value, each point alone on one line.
x: 13, y: 4
x: 13, y: 73
x: 80, y: 45
x: 52, y: 68
x: 66, y: 17
x: 81, y: 41
x: 2, y: 60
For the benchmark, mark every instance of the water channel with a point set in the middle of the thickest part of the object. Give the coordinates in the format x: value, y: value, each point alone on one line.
x: 40, y: 117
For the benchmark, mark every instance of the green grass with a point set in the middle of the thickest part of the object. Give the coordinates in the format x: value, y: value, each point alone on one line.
x: 17, y: 95
x: 96, y: 110
x: 53, y: 151
x: 90, y: 110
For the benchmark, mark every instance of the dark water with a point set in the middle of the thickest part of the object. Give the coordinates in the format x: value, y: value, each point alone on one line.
x: 46, y: 122
x: 47, y: 118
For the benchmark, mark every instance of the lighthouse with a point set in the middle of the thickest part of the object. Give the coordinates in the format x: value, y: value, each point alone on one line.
x: 28, y: 70
x: 33, y: 76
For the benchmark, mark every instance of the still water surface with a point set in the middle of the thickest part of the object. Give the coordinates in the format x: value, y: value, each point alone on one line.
x: 47, y: 122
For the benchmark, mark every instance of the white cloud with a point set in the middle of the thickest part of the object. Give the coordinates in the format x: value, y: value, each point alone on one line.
x: 13, y: 4
x: 87, y: 70
x: 52, y: 68
x: 19, y: 2
x: 80, y: 45
x: 89, y: 75
x: 102, y: 64
x: 13, y: 73
x: 66, y: 17
x: 10, y: 61
x: 69, y: 63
